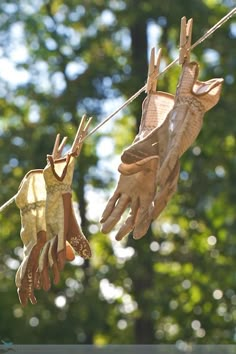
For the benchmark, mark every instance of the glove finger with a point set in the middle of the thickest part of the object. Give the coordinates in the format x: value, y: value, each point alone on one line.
x: 29, y: 281
x: 25, y: 292
x: 142, y: 225
x: 165, y: 193
x: 61, y: 259
x: 46, y: 282
x: 52, y: 251
x: 128, y: 225
x: 160, y: 202
x: 144, y: 217
x: 56, y: 274
x: 43, y: 268
x: 116, y: 214
x: 25, y: 282
x: 52, y: 258
x: 70, y: 254
x: 37, y: 280
x: 110, y: 206
x: 32, y: 298
x: 23, y: 297
x: 130, y: 169
x: 82, y: 247
x: 76, y: 241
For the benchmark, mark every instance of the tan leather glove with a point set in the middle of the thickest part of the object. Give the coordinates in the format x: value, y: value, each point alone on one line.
x: 180, y: 129
x: 134, y: 191
x: 137, y: 184
x: 193, y: 98
x: 30, y: 199
x: 156, y: 139
x: 153, y: 135
x: 152, y: 207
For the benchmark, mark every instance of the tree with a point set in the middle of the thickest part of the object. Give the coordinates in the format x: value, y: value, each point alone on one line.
x: 177, y: 282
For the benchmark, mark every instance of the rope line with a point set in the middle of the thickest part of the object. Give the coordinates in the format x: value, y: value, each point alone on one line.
x: 142, y: 89
x: 215, y: 27
x: 9, y: 202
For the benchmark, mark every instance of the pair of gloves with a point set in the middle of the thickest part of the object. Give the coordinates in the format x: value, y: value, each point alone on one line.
x: 50, y: 232
x: 150, y: 167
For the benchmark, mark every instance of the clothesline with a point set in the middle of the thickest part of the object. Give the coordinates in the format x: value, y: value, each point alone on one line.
x: 142, y: 89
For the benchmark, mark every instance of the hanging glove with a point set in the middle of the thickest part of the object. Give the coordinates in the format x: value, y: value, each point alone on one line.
x: 180, y: 129
x: 60, y: 219
x: 152, y: 207
x: 138, y: 181
x: 64, y: 235
x: 155, y: 139
x: 193, y: 98
x: 136, y: 191
x: 155, y: 109
x: 30, y: 199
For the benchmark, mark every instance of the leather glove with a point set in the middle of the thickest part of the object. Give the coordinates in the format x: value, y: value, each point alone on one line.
x: 193, y: 99
x: 182, y: 125
x: 153, y: 135
x: 179, y: 130
x: 137, y: 184
x: 135, y: 191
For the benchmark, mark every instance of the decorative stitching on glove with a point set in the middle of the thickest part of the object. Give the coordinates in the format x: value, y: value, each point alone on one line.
x: 193, y: 103
x: 62, y: 187
x: 32, y: 206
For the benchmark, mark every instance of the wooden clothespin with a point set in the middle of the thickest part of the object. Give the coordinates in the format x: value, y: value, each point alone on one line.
x: 185, y: 40
x: 57, y: 150
x: 153, y: 70
x: 80, y: 135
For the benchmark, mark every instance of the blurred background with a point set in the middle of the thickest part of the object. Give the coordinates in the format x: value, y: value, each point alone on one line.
x: 61, y: 59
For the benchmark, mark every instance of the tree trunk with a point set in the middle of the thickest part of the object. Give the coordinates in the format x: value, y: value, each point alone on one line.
x: 143, y: 278
x: 139, y: 63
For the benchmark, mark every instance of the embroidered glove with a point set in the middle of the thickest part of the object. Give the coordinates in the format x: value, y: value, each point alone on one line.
x: 60, y: 219
x: 30, y: 199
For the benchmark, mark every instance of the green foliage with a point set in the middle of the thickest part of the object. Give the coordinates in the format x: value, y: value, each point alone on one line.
x: 60, y: 60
